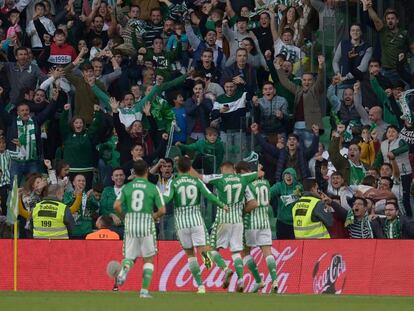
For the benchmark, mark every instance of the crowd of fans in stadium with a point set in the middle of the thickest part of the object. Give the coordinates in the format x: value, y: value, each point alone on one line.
x: 89, y: 87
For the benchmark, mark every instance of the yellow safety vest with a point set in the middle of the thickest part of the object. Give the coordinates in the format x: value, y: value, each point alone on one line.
x: 48, y: 222
x: 303, y: 225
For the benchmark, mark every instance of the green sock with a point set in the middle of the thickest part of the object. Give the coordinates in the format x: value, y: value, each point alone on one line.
x: 248, y: 260
x: 238, y: 265
x: 219, y: 261
x: 271, y: 265
x: 127, y: 263
x: 147, y: 275
x: 195, y: 270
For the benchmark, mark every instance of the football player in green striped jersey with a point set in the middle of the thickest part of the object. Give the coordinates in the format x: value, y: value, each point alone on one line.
x: 227, y: 230
x: 144, y: 204
x: 257, y: 231
x: 185, y: 191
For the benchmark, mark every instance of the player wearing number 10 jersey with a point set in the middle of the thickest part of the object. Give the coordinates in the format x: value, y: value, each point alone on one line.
x: 140, y: 198
x: 227, y: 230
x: 185, y: 191
x: 257, y: 231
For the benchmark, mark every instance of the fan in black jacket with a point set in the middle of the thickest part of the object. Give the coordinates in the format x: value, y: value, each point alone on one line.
x: 393, y: 226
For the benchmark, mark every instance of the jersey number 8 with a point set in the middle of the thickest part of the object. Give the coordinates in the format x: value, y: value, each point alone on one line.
x: 137, y: 200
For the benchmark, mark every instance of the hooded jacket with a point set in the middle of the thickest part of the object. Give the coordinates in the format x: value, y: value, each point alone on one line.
x: 287, y: 196
x: 301, y: 159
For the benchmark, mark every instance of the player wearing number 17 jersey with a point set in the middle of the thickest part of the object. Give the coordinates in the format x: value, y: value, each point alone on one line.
x: 140, y: 198
x: 185, y: 191
x: 227, y: 230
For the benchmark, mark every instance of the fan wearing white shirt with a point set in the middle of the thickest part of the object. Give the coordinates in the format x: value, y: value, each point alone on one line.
x: 284, y: 45
x: 39, y: 27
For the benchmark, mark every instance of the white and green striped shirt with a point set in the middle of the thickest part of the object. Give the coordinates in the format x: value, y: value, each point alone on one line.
x: 259, y: 217
x: 139, y: 225
x: 230, y: 189
x: 5, y: 168
x: 186, y: 191
x: 139, y: 199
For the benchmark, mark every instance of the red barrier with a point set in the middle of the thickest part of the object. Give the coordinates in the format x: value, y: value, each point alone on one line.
x: 376, y: 267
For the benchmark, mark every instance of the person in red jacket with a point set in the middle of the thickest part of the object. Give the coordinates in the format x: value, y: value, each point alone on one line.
x: 57, y: 53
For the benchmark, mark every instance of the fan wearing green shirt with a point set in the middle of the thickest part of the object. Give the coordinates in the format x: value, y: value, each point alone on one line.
x: 109, y: 196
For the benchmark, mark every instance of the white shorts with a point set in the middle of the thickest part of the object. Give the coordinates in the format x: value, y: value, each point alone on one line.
x: 258, y: 237
x: 228, y: 236
x: 192, y: 237
x: 139, y: 247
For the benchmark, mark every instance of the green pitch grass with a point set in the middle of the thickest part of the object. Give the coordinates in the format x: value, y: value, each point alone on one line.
x: 174, y: 301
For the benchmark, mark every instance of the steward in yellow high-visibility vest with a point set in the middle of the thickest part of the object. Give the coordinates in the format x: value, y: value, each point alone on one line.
x: 51, y: 218
x: 310, y: 216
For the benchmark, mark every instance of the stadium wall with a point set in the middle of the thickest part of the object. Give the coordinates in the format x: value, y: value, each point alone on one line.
x: 365, y: 267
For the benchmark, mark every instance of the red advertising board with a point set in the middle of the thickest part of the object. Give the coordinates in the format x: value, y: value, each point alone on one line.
x: 333, y: 266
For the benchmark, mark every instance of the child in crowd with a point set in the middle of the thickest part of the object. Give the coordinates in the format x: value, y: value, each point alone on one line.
x: 211, y: 147
x: 180, y: 130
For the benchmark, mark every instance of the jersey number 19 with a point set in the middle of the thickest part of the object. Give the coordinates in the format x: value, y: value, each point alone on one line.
x: 188, y: 194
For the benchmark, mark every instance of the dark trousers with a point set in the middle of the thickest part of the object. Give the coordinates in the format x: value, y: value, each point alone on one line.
x: 4, y: 192
x: 23, y: 232
x: 406, y: 185
x: 284, y: 231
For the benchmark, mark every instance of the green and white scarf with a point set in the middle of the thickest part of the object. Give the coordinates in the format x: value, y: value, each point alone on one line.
x: 26, y: 134
x: 127, y: 116
x: 357, y: 173
x: 361, y: 227
x: 392, y: 229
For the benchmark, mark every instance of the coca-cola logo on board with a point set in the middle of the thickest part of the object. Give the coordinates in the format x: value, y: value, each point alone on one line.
x: 175, y: 275
x: 329, y: 274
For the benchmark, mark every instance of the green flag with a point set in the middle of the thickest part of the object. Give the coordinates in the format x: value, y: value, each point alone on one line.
x: 13, y: 203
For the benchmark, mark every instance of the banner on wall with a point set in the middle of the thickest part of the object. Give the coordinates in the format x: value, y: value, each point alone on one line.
x: 312, y: 267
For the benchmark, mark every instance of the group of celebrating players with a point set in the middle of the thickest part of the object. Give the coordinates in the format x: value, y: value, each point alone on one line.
x: 241, y: 222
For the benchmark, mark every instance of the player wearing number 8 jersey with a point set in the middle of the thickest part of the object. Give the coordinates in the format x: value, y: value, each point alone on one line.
x: 140, y: 198
x: 227, y: 230
x: 186, y: 192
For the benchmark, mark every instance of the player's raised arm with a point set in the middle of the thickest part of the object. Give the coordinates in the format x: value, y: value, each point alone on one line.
x: 208, y: 195
x: 249, y: 177
x: 251, y: 202
x: 210, y: 179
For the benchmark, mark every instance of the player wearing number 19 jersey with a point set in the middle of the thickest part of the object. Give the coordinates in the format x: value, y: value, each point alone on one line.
x: 227, y: 230
x: 185, y: 191
x: 140, y: 198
